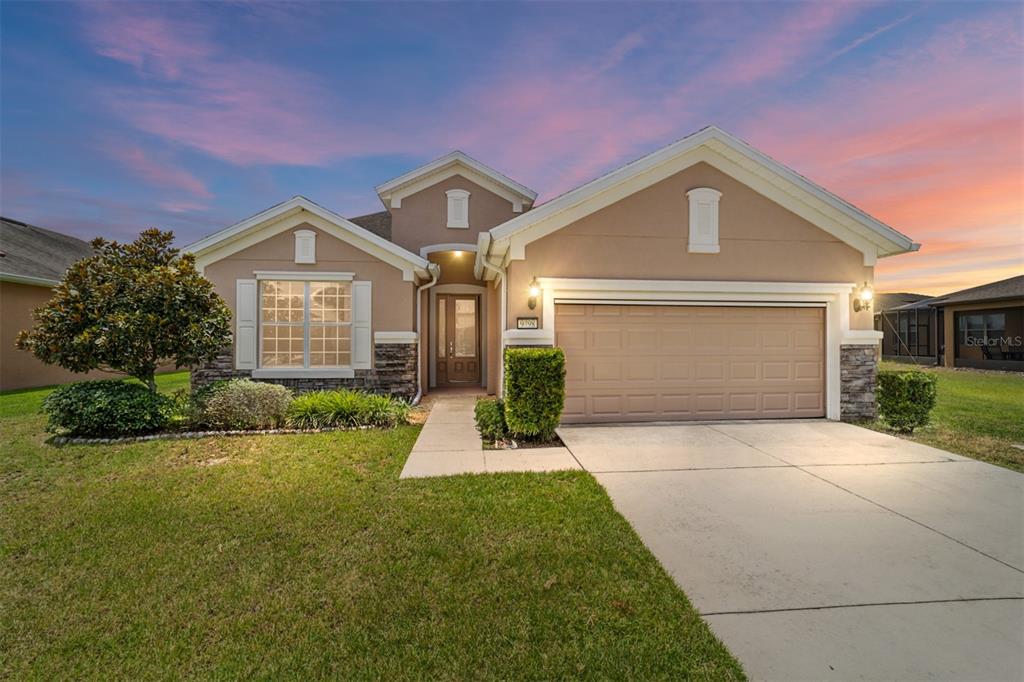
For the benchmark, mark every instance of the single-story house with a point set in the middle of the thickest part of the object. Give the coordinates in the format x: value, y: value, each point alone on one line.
x: 980, y: 327
x: 703, y: 281
x: 32, y: 261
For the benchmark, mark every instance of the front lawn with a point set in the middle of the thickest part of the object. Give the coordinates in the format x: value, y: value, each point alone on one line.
x: 977, y: 414
x: 304, y: 556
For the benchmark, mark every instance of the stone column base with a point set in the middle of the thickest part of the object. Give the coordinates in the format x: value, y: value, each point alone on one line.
x: 858, y: 370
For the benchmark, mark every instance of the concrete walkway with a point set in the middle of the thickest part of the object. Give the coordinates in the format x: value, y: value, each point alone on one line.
x: 819, y: 551
x: 449, y: 444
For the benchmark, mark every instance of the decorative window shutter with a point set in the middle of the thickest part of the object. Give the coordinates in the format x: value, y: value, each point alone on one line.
x: 246, y: 314
x: 458, y: 208
x: 703, y: 220
x: 362, y: 340
x: 305, y: 246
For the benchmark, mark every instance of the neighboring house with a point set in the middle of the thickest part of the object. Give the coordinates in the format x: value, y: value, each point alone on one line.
x: 703, y: 281
x: 980, y: 327
x: 907, y: 323
x: 32, y: 261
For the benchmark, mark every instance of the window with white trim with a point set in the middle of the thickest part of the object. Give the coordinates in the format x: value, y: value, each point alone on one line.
x: 703, y: 219
x: 458, y: 208
x: 305, y: 324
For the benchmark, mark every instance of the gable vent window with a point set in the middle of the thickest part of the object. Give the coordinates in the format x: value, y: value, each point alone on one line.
x: 458, y: 208
x: 305, y: 246
x: 703, y: 219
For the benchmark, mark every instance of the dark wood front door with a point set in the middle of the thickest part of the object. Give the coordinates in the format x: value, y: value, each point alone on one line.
x: 458, y: 339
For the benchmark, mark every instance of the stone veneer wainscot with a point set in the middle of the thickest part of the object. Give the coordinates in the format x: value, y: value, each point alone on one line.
x: 858, y: 370
x: 393, y: 373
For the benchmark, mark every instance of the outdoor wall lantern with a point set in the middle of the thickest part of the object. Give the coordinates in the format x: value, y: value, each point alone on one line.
x: 534, y: 293
x: 862, y: 301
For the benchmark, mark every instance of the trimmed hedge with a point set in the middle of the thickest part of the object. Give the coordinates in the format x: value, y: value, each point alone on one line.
x: 346, y: 409
x: 105, y: 408
x: 490, y: 419
x: 245, y: 404
x: 905, y: 398
x: 534, y: 391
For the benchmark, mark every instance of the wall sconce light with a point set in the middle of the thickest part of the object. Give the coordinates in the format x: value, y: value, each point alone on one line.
x: 534, y: 293
x: 862, y: 301
x: 457, y: 254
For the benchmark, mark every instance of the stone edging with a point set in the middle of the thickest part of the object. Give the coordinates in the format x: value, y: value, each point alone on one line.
x: 182, y: 435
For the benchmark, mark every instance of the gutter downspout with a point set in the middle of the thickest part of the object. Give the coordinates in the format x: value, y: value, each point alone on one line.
x: 483, y: 250
x: 435, y: 272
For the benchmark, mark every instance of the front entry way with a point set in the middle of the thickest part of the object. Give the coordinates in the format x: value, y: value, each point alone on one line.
x: 458, y: 339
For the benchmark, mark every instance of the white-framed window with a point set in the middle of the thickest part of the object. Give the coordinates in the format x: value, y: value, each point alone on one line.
x: 458, y: 208
x: 305, y: 246
x: 305, y: 324
x: 703, y: 219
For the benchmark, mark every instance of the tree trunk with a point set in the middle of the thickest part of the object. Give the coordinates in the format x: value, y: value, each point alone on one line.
x: 150, y: 381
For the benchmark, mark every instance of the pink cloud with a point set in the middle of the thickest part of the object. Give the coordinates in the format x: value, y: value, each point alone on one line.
x: 157, y: 173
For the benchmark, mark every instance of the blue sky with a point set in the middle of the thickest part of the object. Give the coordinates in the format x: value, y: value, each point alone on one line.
x: 189, y: 117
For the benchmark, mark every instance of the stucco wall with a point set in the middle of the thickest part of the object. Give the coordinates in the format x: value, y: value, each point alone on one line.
x: 645, y: 236
x: 392, y: 296
x: 422, y: 220
x: 19, y: 369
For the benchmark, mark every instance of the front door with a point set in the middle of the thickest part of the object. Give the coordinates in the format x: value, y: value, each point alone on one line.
x: 458, y: 339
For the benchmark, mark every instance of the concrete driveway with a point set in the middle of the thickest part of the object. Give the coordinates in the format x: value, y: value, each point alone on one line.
x: 820, y: 550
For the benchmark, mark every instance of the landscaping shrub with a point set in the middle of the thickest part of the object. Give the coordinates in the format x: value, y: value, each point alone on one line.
x: 346, y: 409
x: 245, y: 404
x: 534, y: 391
x: 905, y: 399
x: 107, y: 408
x: 490, y: 419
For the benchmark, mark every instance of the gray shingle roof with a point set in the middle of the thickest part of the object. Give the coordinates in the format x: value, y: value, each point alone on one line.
x: 892, y: 301
x: 378, y: 223
x: 37, y: 253
x: 994, y: 291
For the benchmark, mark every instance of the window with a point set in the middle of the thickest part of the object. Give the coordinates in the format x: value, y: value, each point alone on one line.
x: 983, y: 329
x: 305, y: 324
x: 305, y: 246
x: 458, y: 208
x: 703, y: 219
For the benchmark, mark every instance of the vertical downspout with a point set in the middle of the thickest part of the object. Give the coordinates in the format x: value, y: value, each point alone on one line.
x: 435, y: 271
x: 484, y: 247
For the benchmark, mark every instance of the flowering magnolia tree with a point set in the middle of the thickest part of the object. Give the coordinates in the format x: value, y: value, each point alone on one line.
x: 130, y: 308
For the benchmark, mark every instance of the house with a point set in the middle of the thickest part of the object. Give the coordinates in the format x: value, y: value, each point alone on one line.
x: 32, y: 262
x: 980, y: 327
x: 907, y: 324
x: 703, y: 281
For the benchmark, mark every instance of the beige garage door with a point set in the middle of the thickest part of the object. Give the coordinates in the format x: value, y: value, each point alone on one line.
x: 654, y: 362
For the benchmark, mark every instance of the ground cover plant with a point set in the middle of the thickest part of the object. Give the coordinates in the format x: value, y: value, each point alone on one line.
x: 976, y: 414
x: 346, y: 409
x: 304, y: 556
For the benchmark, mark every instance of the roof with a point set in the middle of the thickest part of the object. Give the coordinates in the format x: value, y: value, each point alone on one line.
x: 296, y: 211
x: 34, y: 255
x: 378, y: 223
x: 730, y: 155
x: 892, y: 301
x: 994, y: 291
x: 393, y: 191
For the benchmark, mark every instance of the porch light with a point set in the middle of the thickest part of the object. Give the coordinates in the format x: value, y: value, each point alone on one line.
x: 534, y: 293
x: 457, y: 254
x: 863, y: 298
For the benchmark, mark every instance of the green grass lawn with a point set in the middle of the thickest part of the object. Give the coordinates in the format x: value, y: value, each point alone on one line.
x: 304, y: 556
x: 977, y: 414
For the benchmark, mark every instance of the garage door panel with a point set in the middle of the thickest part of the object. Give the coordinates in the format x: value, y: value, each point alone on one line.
x: 644, y: 363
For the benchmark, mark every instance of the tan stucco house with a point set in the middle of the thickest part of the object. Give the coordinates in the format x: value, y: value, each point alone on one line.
x: 703, y: 281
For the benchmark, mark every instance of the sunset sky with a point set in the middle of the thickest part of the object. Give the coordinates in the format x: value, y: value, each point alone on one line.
x: 190, y: 117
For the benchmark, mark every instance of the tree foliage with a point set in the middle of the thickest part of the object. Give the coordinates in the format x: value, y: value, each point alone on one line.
x: 130, y: 308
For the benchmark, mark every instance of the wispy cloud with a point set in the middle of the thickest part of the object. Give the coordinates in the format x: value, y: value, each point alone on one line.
x: 869, y: 36
x: 159, y: 173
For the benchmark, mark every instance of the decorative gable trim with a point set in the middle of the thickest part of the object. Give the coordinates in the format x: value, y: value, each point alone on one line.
x: 392, y: 192
x: 293, y: 213
x: 703, y: 223
x: 305, y: 246
x: 729, y: 155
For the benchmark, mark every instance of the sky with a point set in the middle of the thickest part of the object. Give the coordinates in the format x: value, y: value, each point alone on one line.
x: 190, y: 117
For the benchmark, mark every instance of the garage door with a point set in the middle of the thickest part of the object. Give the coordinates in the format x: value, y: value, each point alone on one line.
x: 655, y: 362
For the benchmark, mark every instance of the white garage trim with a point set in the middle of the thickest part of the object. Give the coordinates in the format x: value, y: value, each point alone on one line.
x: 833, y: 296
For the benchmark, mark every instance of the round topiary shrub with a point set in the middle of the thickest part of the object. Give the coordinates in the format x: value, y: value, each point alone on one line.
x: 106, y: 408
x: 905, y: 399
x: 242, y: 404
